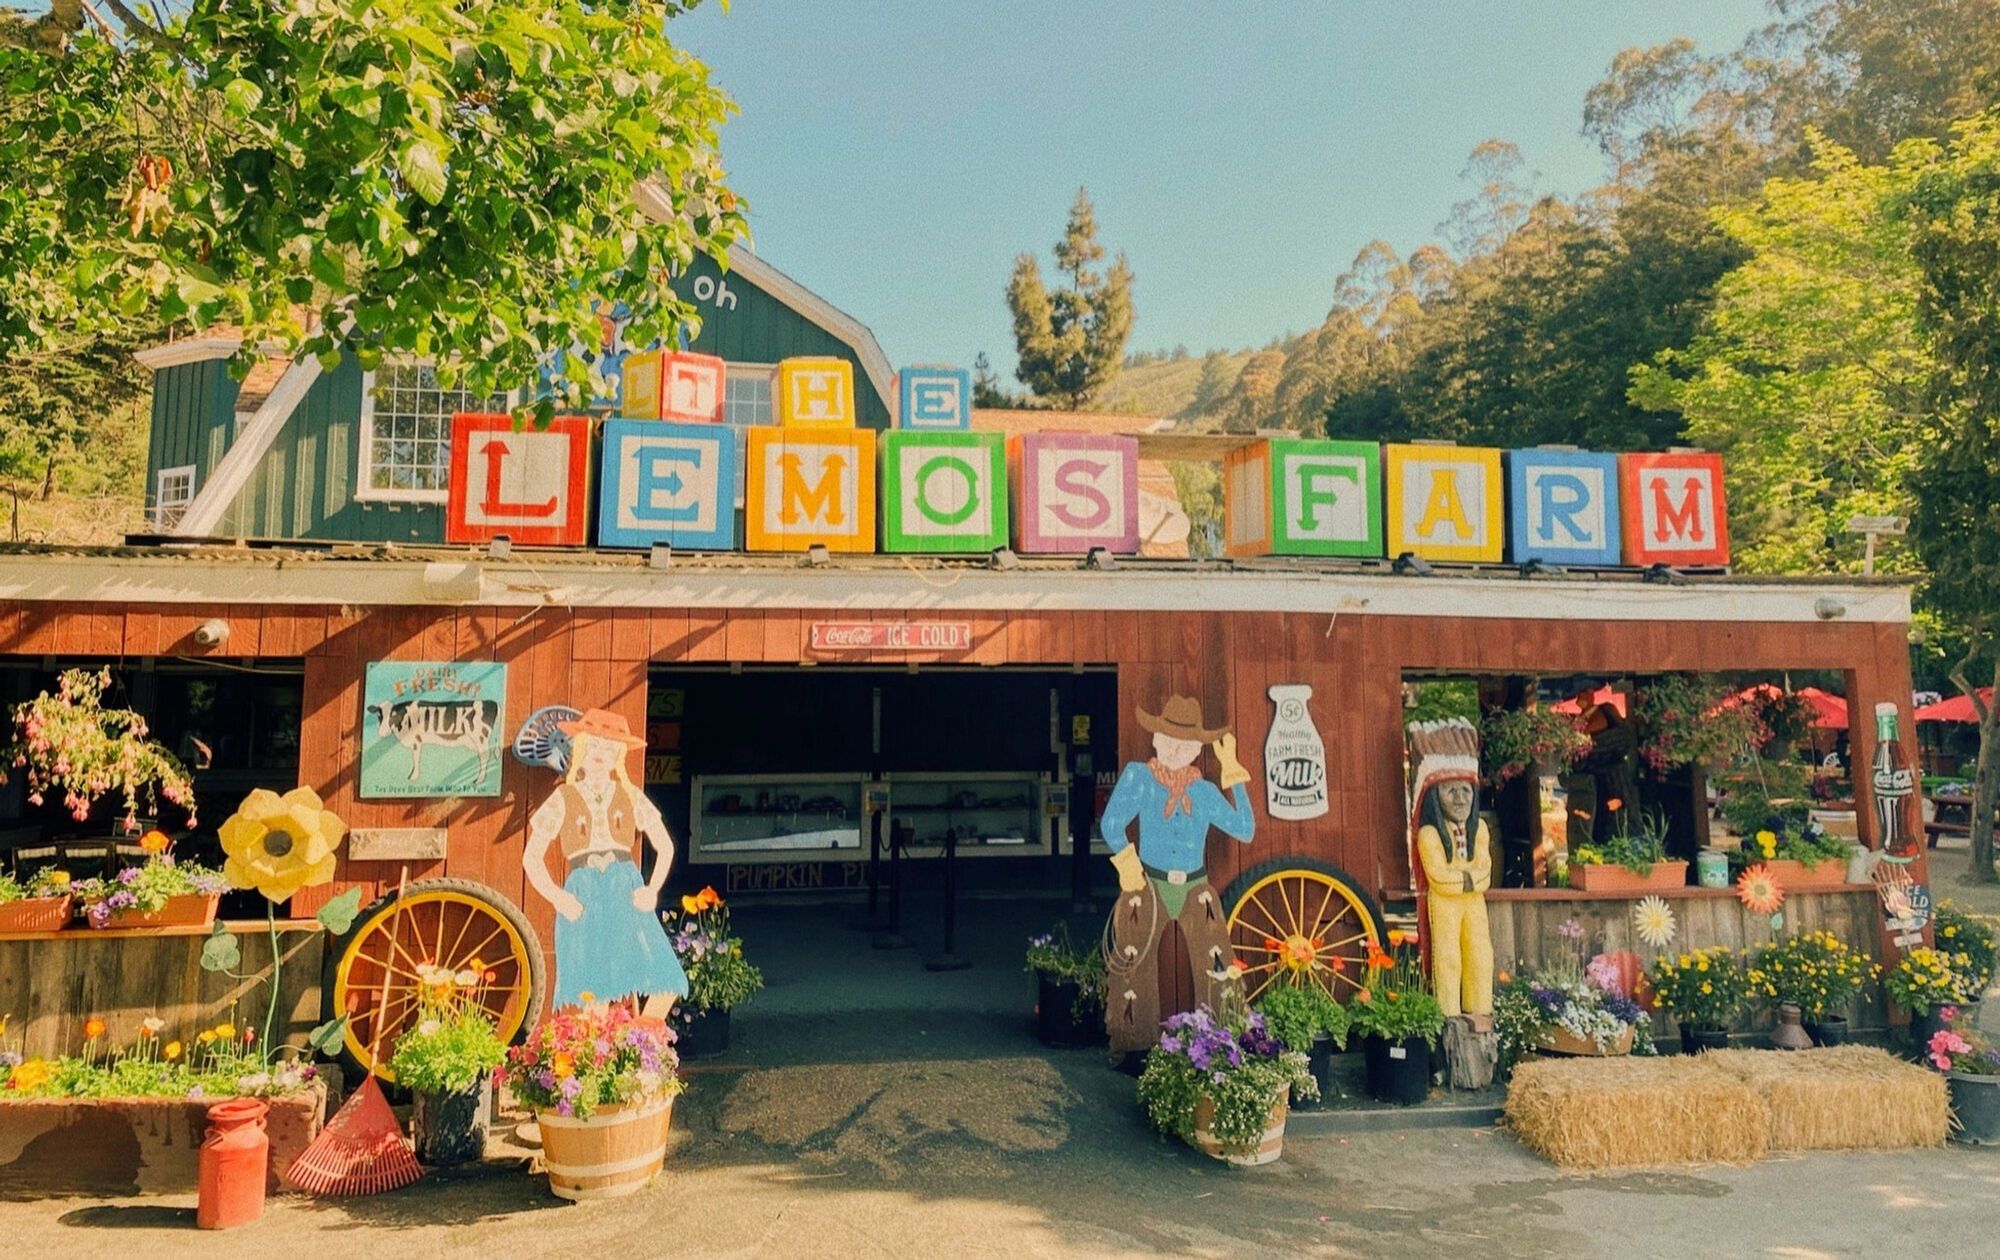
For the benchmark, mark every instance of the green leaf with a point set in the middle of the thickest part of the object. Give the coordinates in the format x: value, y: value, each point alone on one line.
x: 242, y: 96
x: 327, y: 1037
x: 221, y: 951
x: 422, y: 170
x: 337, y: 916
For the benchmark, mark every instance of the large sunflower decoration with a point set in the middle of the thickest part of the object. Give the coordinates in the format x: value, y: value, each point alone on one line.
x: 1653, y: 921
x: 280, y: 844
x: 1759, y: 891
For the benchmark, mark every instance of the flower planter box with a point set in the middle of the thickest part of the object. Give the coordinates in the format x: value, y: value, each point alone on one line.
x: 1827, y: 873
x: 611, y: 1155
x: 1603, y: 877
x: 1564, y: 1042
x: 184, y: 910
x: 1269, y: 1145
x: 36, y: 914
x: 125, y: 1146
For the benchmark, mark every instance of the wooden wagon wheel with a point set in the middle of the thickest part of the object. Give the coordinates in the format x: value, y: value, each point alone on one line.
x: 1295, y: 920
x: 450, y: 923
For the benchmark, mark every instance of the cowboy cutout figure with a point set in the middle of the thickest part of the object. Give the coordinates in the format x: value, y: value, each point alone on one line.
x: 1162, y: 877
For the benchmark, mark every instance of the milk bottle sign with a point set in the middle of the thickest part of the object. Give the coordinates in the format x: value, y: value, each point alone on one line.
x: 1294, y: 758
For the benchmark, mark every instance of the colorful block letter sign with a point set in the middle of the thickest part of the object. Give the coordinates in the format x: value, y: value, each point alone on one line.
x: 1562, y: 507
x: 1444, y: 502
x: 936, y: 398
x: 1674, y: 509
x: 816, y: 393
x: 1075, y: 491
x: 809, y: 486
x: 674, y: 385
x: 525, y: 483
x: 1295, y: 497
x: 670, y: 483
x: 943, y: 491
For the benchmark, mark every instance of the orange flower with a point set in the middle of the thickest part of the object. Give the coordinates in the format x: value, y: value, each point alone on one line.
x: 1395, y: 936
x: 93, y: 1028
x: 155, y: 841
x: 1271, y: 943
x: 563, y: 1064
x: 708, y: 897
x: 1759, y: 890
x: 1364, y: 995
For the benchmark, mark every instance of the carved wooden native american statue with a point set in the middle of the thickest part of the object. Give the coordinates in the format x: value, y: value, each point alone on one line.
x: 1451, y: 857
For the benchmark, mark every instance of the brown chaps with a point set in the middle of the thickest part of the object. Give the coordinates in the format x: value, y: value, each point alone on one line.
x: 1132, y: 989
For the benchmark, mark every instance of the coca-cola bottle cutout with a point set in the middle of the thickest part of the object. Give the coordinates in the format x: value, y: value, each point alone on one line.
x: 1294, y: 758
x: 1893, y: 782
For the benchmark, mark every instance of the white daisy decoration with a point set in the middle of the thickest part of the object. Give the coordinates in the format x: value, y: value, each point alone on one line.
x: 1653, y: 920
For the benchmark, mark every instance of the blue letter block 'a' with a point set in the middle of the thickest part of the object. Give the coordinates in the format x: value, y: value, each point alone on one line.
x: 1562, y: 507
x: 670, y: 483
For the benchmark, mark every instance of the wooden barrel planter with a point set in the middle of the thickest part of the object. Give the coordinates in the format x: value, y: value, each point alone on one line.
x: 1269, y: 1145
x: 611, y: 1155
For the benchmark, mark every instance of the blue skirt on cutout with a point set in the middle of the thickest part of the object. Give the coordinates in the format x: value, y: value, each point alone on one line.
x: 613, y: 948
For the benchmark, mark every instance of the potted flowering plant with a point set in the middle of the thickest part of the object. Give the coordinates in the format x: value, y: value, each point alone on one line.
x: 1400, y: 1022
x: 1567, y: 1007
x: 1687, y: 720
x: 40, y: 904
x: 69, y: 743
x: 446, y: 1059
x: 1307, y: 1018
x: 1816, y: 973
x: 1069, y: 989
x: 1924, y: 983
x: 1633, y: 860
x: 1219, y: 1081
x: 1801, y: 856
x: 1969, y: 942
x: 1702, y: 989
x: 1511, y: 740
x: 719, y: 976
x: 159, y: 892
x: 601, y: 1082
x: 1971, y: 1065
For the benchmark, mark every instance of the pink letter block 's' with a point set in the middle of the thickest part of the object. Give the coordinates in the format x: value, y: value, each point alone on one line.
x: 1075, y: 491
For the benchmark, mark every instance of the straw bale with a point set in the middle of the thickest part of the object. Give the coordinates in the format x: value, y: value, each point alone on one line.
x: 1622, y: 1112
x: 1843, y: 1098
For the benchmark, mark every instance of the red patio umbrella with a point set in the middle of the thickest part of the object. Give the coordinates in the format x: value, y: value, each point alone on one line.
x: 1603, y: 695
x: 1956, y: 709
x: 1829, y: 710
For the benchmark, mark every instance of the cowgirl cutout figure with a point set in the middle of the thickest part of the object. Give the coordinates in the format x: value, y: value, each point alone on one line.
x: 610, y: 942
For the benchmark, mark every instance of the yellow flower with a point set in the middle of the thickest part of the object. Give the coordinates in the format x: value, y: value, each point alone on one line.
x: 206, y: 1036
x: 225, y: 1030
x: 171, y: 1051
x: 691, y: 904
x: 1706, y: 987
x: 280, y: 844
x: 29, y: 1075
x: 59, y: 879
x: 563, y: 1065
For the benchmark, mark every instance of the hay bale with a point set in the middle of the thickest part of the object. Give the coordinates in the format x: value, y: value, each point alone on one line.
x: 1635, y: 1113
x: 1843, y: 1098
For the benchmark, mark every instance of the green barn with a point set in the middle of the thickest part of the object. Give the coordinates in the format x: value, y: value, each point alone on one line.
x: 351, y: 456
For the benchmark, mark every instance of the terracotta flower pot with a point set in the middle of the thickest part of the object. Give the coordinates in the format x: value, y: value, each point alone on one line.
x: 35, y: 914
x: 1269, y: 1145
x: 1826, y: 873
x: 1606, y: 877
x: 611, y: 1155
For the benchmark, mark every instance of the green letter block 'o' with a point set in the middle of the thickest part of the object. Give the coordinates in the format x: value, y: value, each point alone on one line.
x: 943, y: 492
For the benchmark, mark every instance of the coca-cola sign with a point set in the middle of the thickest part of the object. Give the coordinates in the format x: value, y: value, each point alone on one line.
x: 891, y: 636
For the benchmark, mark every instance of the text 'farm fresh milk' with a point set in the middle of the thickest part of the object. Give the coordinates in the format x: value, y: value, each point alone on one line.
x: 1294, y: 758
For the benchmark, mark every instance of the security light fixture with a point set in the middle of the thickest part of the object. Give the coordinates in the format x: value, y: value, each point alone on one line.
x: 1534, y: 567
x: 1410, y: 564
x: 1827, y: 608
x: 818, y: 557
x: 1004, y: 558
x: 1098, y: 558
x: 1666, y: 575
x: 500, y: 547
x: 661, y: 556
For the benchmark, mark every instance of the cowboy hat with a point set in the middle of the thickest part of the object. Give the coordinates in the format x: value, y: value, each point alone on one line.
x: 602, y: 724
x: 1180, y: 717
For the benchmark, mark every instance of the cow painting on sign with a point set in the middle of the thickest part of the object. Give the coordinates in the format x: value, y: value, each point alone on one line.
x: 1163, y: 876
x: 610, y: 943
x: 418, y: 724
x: 432, y: 729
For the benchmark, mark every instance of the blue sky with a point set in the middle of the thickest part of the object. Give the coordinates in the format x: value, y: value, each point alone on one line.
x: 897, y: 154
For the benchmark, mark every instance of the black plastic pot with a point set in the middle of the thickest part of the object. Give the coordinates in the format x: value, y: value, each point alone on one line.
x: 1398, y: 1072
x: 1696, y: 1040
x: 1320, y: 1060
x: 703, y: 1034
x: 451, y: 1129
x: 1828, y: 1030
x: 1923, y: 1026
x: 1060, y: 1020
x: 1975, y: 1107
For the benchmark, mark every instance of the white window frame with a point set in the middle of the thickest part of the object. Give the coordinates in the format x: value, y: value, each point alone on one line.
x: 365, y: 491
x: 160, y: 502
x: 736, y: 371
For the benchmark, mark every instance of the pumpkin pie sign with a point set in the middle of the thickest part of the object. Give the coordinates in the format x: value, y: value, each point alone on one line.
x: 433, y: 729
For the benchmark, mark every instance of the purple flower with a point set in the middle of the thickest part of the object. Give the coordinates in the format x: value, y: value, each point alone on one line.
x: 99, y: 915
x: 1570, y: 929
x: 129, y: 876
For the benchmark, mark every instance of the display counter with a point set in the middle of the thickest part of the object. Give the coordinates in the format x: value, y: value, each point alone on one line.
x: 805, y: 818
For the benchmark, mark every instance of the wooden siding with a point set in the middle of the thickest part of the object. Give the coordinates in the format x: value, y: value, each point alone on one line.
x: 599, y: 657
x: 194, y: 419
x: 761, y: 329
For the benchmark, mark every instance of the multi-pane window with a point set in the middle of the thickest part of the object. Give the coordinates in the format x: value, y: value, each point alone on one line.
x: 173, y: 490
x: 746, y: 397
x: 406, y: 431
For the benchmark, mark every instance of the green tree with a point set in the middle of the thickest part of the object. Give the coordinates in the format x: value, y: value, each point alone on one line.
x: 1071, y: 341
x: 465, y: 182
x: 1809, y: 373
x: 1953, y: 213
x: 987, y: 391
x: 1211, y: 386
x: 1252, y: 397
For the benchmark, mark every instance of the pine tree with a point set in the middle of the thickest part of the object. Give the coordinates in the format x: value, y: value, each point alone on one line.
x: 1071, y: 341
x: 986, y: 388
x: 1211, y: 387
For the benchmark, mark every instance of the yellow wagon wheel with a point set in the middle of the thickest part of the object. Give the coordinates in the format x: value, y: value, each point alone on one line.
x: 1295, y: 920
x: 450, y: 923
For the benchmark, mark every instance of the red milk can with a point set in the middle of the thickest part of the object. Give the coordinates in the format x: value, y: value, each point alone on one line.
x: 233, y: 1160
